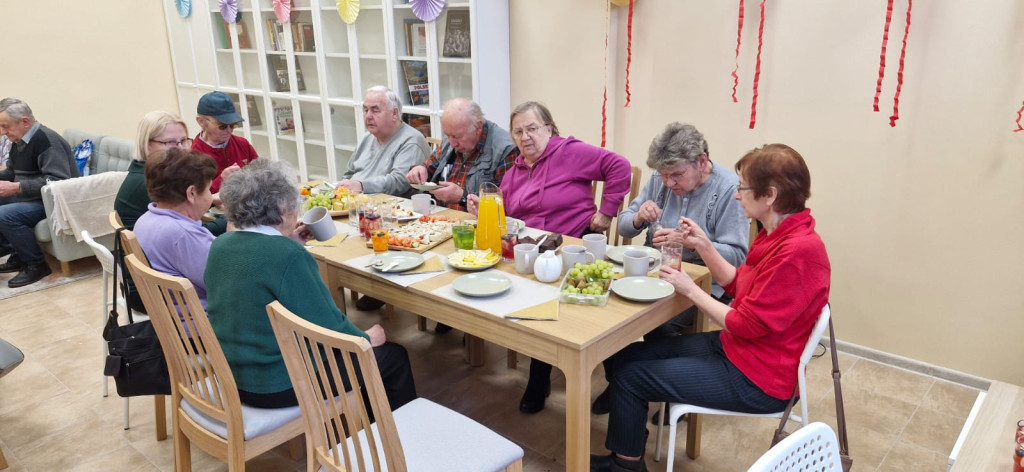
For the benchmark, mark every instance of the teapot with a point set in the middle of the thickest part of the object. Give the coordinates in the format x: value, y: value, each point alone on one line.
x: 547, y: 267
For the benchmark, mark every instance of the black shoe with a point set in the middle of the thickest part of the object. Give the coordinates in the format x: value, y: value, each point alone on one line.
x: 32, y: 273
x: 601, y: 404
x: 13, y: 264
x: 442, y: 328
x: 533, y: 399
x: 4, y: 251
x: 664, y: 421
x: 611, y: 463
x: 368, y: 303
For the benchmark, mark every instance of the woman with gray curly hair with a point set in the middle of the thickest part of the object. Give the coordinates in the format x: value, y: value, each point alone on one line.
x: 263, y: 261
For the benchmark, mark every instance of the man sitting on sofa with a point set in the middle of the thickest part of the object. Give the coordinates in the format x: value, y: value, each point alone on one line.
x: 38, y: 155
x: 217, y: 119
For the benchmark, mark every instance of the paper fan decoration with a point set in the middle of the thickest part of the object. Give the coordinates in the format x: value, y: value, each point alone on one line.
x: 427, y: 10
x: 348, y: 10
x: 229, y: 10
x: 184, y: 7
x: 283, y: 9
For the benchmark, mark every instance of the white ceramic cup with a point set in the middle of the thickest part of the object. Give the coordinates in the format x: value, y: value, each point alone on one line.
x: 423, y: 203
x: 573, y: 254
x: 597, y: 244
x: 635, y: 263
x: 320, y: 223
x: 525, y: 255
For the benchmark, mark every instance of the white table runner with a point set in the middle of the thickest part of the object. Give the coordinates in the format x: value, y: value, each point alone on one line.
x: 395, y: 278
x: 523, y: 294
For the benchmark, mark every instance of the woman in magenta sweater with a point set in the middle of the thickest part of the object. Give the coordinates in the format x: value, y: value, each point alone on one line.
x: 750, y: 365
x: 549, y: 188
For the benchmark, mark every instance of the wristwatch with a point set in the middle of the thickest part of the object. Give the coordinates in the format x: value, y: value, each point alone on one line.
x: 465, y: 194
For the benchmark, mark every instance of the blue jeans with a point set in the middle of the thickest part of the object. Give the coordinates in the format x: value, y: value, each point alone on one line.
x: 17, y: 219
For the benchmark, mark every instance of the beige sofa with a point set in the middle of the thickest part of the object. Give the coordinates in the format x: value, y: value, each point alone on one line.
x: 109, y: 153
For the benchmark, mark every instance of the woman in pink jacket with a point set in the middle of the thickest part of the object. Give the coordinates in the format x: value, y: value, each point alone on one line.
x: 549, y: 188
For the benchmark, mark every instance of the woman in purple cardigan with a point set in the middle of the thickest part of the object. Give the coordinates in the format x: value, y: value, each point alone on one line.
x: 549, y: 188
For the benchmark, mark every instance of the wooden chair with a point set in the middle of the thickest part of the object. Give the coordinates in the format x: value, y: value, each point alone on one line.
x: 206, y: 410
x: 677, y: 410
x: 435, y: 143
x: 130, y: 245
x: 339, y: 429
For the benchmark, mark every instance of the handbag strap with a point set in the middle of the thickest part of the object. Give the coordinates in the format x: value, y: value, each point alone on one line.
x: 119, y: 261
x: 844, y: 448
x: 781, y: 430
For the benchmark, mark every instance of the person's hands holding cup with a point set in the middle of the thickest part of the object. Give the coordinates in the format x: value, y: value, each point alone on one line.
x: 318, y: 221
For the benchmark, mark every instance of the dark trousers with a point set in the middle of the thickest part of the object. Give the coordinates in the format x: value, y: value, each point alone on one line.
x: 17, y: 223
x: 395, y: 374
x: 689, y: 369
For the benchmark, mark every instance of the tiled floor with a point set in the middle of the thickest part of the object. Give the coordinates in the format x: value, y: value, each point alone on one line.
x: 53, y: 417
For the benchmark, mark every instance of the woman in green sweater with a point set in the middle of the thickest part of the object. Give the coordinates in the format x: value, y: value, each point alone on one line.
x: 263, y: 261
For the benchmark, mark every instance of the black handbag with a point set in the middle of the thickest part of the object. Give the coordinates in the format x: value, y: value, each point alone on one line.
x: 135, y: 359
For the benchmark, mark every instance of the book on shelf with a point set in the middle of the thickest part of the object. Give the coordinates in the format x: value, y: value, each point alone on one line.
x: 275, y: 33
x: 415, y: 38
x: 416, y: 78
x: 307, y: 41
x: 242, y: 34
x: 420, y: 122
x: 285, y: 120
x: 456, y: 34
x: 279, y: 73
x: 254, y: 111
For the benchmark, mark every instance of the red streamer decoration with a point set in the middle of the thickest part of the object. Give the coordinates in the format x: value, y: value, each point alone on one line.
x: 757, y: 68
x: 899, y: 75
x: 881, y: 64
x: 739, y: 35
x: 629, y: 49
x: 1019, y: 113
x: 604, y: 101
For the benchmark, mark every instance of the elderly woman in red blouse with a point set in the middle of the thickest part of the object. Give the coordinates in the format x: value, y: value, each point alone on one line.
x: 750, y: 365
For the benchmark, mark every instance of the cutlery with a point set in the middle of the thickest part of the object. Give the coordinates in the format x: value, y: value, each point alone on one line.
x: 375, y: 263
x: 542, y: 239
x: 390, y: 266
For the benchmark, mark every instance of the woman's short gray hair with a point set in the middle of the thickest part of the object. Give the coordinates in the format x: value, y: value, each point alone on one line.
x: 677, y: 144
x: 262, y: 193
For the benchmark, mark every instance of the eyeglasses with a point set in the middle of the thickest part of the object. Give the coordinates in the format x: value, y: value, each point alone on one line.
x: 675, y: 176
x: 222, y: 126
x: 187, y: 142
x: 742, y: 189
x: 531, y: 130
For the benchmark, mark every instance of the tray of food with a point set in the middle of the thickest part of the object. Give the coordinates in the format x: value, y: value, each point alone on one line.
x: 587, y: 284
x: 473, y: 259
x: 337, y: 201
x: 418, y: 236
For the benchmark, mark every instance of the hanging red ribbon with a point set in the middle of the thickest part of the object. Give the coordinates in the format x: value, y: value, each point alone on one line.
x: 881, y: 61
x: 757, y: 68
x: 604, y: 100
x: 629, y: 48
x: 1019, y: 113
x: 736, y: 68
x: 899, y: 75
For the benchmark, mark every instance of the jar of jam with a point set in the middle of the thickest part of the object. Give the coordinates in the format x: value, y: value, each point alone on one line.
x: 371, y: 222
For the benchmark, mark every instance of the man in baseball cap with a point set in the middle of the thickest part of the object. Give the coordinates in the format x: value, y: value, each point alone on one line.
x: 217, y: 118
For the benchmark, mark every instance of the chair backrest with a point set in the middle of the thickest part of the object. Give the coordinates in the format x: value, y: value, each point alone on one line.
x: 332, y: 420
x: 812, y: 343
x: 101, y: 252
x: 614, y: 238
x: 131, y: 246
x: 199, y: 371
x: 115, y: 220
x: 811, y: 448
x: 435, y: 143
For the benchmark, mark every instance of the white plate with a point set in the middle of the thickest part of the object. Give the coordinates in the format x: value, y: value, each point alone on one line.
x: 460, y: 266
x: 615, y: 253
x: 642, y: 289
x: 415, y: 216
x: 406, y: 261
x: 482, y: 284
x: 425, y: 187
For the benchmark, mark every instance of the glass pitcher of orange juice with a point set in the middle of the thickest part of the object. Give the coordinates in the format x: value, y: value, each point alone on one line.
x: 490, y: 218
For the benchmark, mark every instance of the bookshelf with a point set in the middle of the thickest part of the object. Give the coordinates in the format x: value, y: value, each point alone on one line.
x: 316, y: 68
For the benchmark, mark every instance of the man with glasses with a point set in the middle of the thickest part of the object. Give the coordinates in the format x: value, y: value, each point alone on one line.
x: 38, y: 155
x: 685, y: 183
x: 217, y: 119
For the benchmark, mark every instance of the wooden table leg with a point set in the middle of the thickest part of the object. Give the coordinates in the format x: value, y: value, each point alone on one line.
x: 695, y: 422
x: 474, y: 350
x: 577, y: 409
x: 330, y: 276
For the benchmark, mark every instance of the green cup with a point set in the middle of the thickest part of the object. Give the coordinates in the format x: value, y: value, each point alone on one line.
x: 463, y: 236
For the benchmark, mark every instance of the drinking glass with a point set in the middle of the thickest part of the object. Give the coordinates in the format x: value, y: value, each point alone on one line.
x: 379, y: 238
x: 463, y: 236
x: 672, y: 255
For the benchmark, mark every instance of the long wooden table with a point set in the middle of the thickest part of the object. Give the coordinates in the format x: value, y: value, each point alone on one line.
x: 581, y: 338
x: 989, y: 442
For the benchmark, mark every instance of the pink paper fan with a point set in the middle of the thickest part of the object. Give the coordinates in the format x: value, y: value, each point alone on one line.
x: 283, y: 9
x: 348, y: 10
x: 427, y: 10
x: 229, y: 10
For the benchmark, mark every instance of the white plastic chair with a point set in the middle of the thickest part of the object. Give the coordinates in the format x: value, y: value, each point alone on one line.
x: 677, y: 410
x: 813, y: 448
x: 106, y: 259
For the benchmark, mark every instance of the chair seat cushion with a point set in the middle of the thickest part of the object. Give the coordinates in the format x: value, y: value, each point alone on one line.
x: 436, y: 439
x: 256, y: 421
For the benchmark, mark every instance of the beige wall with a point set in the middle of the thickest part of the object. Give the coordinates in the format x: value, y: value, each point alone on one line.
x: 97, y: 65
x: 922, y: 221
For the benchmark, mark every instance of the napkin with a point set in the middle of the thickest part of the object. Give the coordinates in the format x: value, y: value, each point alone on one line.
x: 336, y: 240
x: 430, y: 265
x: 547, y: 311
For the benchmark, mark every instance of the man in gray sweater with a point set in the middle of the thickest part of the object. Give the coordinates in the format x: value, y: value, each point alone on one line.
x: 382, y: 159
x: 38, y: 155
